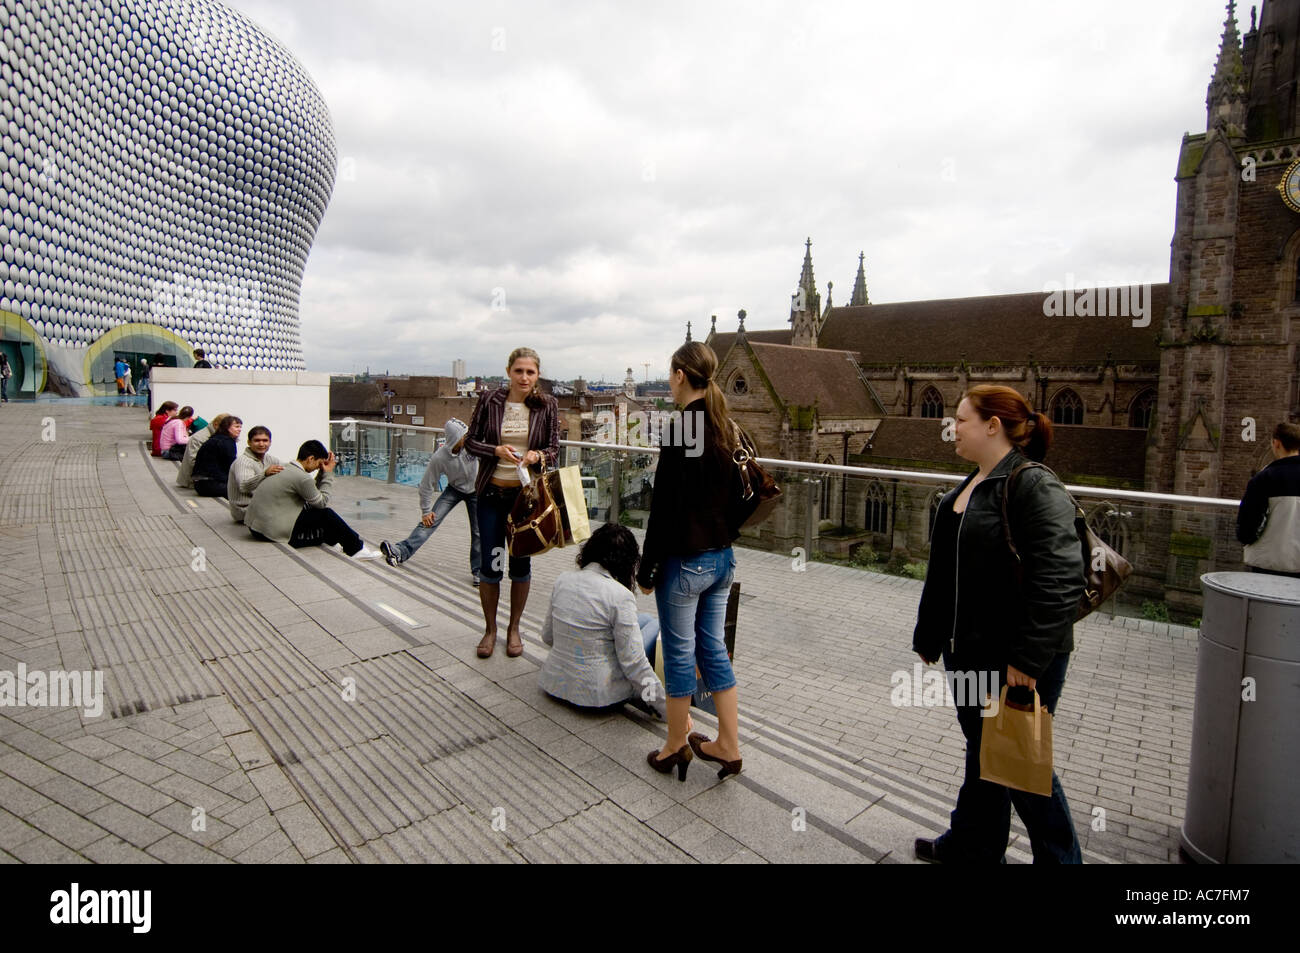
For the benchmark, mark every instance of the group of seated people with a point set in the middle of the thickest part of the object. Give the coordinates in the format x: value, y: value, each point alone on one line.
x: 602, y: 648
x: 172, y: 428
x: 209, y: 457
x: 293, y: 508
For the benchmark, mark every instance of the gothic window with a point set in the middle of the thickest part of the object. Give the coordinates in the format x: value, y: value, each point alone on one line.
x: 1067, y: 408
x: 932, y: 404
x: 739, y: 385
x: 935, y: 500
x: 1139, y: 414
x: 876, y: 518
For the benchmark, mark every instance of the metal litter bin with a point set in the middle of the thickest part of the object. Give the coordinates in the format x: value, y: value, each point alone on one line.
x: 1243, y: 786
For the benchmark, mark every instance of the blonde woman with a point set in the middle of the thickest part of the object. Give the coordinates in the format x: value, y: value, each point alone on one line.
x: 512, y: 425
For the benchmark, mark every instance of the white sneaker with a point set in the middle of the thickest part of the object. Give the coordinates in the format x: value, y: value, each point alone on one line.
x: 367, y: 553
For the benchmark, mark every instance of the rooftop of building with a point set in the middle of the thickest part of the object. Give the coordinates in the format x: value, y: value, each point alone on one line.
x: 226, y: 682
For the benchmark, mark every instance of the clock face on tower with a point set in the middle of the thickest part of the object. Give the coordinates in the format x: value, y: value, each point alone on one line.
x: 1290, y: 186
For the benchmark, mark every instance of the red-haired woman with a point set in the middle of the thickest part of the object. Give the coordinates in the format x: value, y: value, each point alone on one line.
x: 512, y: 425
x: 980, y: 618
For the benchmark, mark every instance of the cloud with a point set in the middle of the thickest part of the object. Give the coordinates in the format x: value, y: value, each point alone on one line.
x: 617, y: 171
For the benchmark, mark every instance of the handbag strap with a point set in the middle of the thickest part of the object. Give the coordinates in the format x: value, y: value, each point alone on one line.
x: 741, y: 456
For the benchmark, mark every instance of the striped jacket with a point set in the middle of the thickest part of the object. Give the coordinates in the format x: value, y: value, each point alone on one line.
x: 485, y: 431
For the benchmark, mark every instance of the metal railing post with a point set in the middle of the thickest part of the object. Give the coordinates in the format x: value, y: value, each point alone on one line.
x: 394, y: 441
x: 616, y: 498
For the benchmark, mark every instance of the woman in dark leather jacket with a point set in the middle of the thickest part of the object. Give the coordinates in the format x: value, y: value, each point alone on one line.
x: 977, y: 616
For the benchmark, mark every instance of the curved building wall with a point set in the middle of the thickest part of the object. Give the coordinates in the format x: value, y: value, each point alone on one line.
x: 163, y: 162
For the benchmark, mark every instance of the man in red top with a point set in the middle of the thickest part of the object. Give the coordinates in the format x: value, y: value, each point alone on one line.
x: 166, y: 411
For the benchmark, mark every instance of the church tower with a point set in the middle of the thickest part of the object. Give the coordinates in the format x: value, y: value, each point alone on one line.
x: 805, y: 305
x: 1228, y: 370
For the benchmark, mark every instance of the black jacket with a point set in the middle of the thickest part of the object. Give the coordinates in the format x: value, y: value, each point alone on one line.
x: 972, y: 605
x: 214, y: 459
x: 1268, y: 519
x: 691, y: 509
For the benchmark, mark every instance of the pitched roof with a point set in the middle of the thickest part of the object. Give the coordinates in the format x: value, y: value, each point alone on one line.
x: 721, y: 343
x: 1078, y: 454
x: 992, y: 329
x: 803, y: 376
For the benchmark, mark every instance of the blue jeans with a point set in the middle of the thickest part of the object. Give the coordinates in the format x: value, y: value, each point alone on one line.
x: 494, y: 505
x: 692, y: 600
x: 981, y: 821
x: 649, y: 633
x: 444, y: 504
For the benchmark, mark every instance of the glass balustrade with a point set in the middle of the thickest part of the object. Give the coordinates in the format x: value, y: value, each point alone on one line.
x: 873, y: 521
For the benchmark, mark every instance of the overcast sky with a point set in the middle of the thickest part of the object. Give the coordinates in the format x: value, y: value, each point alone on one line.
x: 604, y: 173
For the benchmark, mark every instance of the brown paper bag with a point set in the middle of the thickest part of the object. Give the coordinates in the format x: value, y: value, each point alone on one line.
x: 1016, y: 747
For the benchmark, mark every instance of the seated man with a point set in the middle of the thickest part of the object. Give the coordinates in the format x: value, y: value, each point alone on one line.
x: 293, y: 507
x: 249, y: 470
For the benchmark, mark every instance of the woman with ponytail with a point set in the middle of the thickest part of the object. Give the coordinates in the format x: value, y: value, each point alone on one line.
x: 980, y: 617
x: 512, y: 425
x: 688, y: 563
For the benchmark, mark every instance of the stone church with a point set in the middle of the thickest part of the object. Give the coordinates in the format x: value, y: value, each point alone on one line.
x: 1178, y: 398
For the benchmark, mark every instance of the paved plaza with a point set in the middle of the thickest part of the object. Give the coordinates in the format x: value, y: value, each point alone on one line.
x: 263, y: 704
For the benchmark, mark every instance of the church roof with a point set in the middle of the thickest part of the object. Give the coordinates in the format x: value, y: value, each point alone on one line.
x: 992, y: 329
x: 721, y: 343
x: 1113, y: 453
x: 803, y: 376
x: 985, y: 330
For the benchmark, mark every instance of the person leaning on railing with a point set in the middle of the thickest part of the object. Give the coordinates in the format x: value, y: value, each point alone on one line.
x: 976, y: 615
x: 512, y: 425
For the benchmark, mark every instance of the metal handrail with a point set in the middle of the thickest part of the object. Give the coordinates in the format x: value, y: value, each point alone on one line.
x: 916, y: 476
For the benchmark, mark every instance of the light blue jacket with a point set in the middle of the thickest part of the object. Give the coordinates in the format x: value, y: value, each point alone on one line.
x: 597, y: 653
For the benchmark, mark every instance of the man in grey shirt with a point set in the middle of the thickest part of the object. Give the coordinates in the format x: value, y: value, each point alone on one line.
x: 461, y: 470
x: 293, y: 506
x: 249, y: 470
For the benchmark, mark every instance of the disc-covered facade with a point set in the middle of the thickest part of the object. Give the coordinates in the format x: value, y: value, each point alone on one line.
x: 165, y: 164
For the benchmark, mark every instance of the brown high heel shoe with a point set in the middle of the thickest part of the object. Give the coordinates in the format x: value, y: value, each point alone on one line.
x: 695, y: 739
x: 487, y: 644
x: 681, y: 759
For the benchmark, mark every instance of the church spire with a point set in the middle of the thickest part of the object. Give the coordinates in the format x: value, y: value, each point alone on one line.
x: 859, y: 296
x: 806, y: 280
x: 1225, y: 100
x: 806, y: 304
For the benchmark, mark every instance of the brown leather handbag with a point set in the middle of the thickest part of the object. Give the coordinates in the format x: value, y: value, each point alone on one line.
x: 758, y: 493
x: 534, y: 524
x: 1104, y: 569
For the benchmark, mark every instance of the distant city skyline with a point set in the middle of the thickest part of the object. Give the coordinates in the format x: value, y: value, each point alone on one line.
x: 585, y: 181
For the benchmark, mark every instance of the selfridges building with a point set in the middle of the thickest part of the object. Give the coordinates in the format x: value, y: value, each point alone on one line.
x: 165, y: 165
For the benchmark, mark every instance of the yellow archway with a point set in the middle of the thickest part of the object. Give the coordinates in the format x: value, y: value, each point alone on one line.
x: 137, y: 336
x: 26, y: 351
